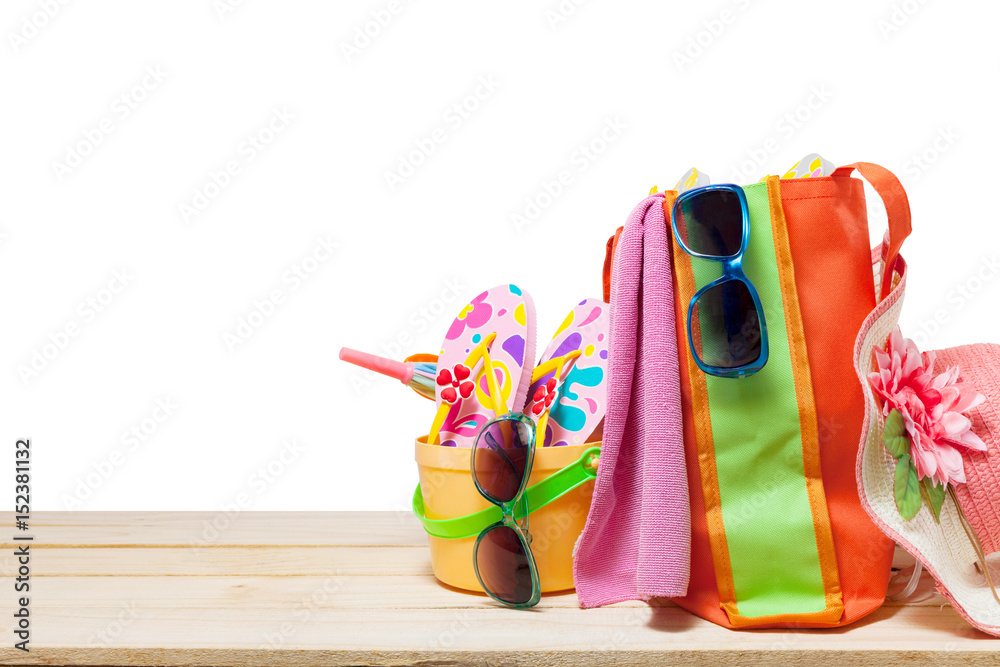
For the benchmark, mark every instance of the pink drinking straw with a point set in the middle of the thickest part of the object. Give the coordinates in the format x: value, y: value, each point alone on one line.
x: 419, y: 376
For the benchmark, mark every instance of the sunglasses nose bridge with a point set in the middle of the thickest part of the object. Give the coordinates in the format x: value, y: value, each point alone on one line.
x: 733, y: 266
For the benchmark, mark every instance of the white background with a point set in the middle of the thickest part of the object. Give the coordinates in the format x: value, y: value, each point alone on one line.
x: 888, y: 82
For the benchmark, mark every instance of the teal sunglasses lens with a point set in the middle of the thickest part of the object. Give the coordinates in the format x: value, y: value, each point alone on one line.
x: 504, y: 565
x: 502, y: 452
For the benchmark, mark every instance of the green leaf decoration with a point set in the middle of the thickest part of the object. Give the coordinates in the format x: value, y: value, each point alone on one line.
x: 894, y: 425
x: 898, y: 446
x: 894, y: 435
x: 935, y: 496
x: 907, y: 488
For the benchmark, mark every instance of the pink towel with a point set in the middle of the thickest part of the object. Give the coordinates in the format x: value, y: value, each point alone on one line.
x: 636, y: 544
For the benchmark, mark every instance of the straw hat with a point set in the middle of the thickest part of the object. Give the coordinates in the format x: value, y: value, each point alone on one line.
x: 944, y: 548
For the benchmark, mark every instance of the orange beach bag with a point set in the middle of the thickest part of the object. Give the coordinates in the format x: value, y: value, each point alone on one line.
x: 779, y: 537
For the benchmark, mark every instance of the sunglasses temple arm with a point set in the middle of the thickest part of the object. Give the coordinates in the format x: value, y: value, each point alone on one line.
x: 491, y: 441
x: 522, y: 513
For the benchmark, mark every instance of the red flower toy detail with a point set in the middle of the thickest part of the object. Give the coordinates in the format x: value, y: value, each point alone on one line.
x: 456, y: 383
x: 544, y: 396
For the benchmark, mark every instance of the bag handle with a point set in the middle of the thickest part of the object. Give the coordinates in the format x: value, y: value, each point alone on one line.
x: 609, y: 258
x: 897, y: 208
x: 885, y: 183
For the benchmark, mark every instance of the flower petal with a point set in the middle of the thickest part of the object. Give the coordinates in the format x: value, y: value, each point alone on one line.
x: 925, y: 462
x: 971, y: 440
x: 882, y: 359
x: 896, y: 340
x: 929, y: 359
x: 968, y: 399
x: 954, y: 423
x: 932, y: 406
x: 951, y: 463
x: 911, y: 364
x: 875, y: 379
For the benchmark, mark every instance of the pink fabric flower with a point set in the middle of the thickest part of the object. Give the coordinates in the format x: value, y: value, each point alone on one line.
x: 931, y: 406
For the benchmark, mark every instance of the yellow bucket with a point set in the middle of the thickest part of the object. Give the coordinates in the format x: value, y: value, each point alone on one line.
x: 449, y: 492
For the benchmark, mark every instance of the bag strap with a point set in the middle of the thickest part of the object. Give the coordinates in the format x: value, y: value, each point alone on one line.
x: 609, y: 258
x: 897, y: 208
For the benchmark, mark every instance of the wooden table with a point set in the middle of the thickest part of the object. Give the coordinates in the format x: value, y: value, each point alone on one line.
x: 357, y: 589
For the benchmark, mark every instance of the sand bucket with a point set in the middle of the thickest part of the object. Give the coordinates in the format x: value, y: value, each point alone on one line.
x: 449, y: 492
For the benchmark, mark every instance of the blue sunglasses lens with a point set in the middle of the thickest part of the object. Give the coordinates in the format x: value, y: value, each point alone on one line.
x: 711, y: 223
x: 725, y: 326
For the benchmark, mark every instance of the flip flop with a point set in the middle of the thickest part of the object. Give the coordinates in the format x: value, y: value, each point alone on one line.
x: 463, y: 392
x: 577, y: 399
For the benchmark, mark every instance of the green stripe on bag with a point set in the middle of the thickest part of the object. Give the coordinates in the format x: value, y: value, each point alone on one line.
x: 758, y: 452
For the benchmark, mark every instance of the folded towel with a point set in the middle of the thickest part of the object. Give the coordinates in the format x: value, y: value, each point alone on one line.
x: 636, y: 543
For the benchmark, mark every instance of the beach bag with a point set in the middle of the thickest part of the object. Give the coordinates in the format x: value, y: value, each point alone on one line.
x: 779, y: 537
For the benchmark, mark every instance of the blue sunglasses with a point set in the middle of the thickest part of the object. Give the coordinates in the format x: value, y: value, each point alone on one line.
x: 726, y: 329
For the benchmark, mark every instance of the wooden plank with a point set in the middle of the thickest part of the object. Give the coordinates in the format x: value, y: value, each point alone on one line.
x: 679, y: 657
x: 356, y: 588
x: 274, y: 562
x: 176, y: 622
x: 216, y: 529
x: 234, y: 562
x: 213, y: 592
